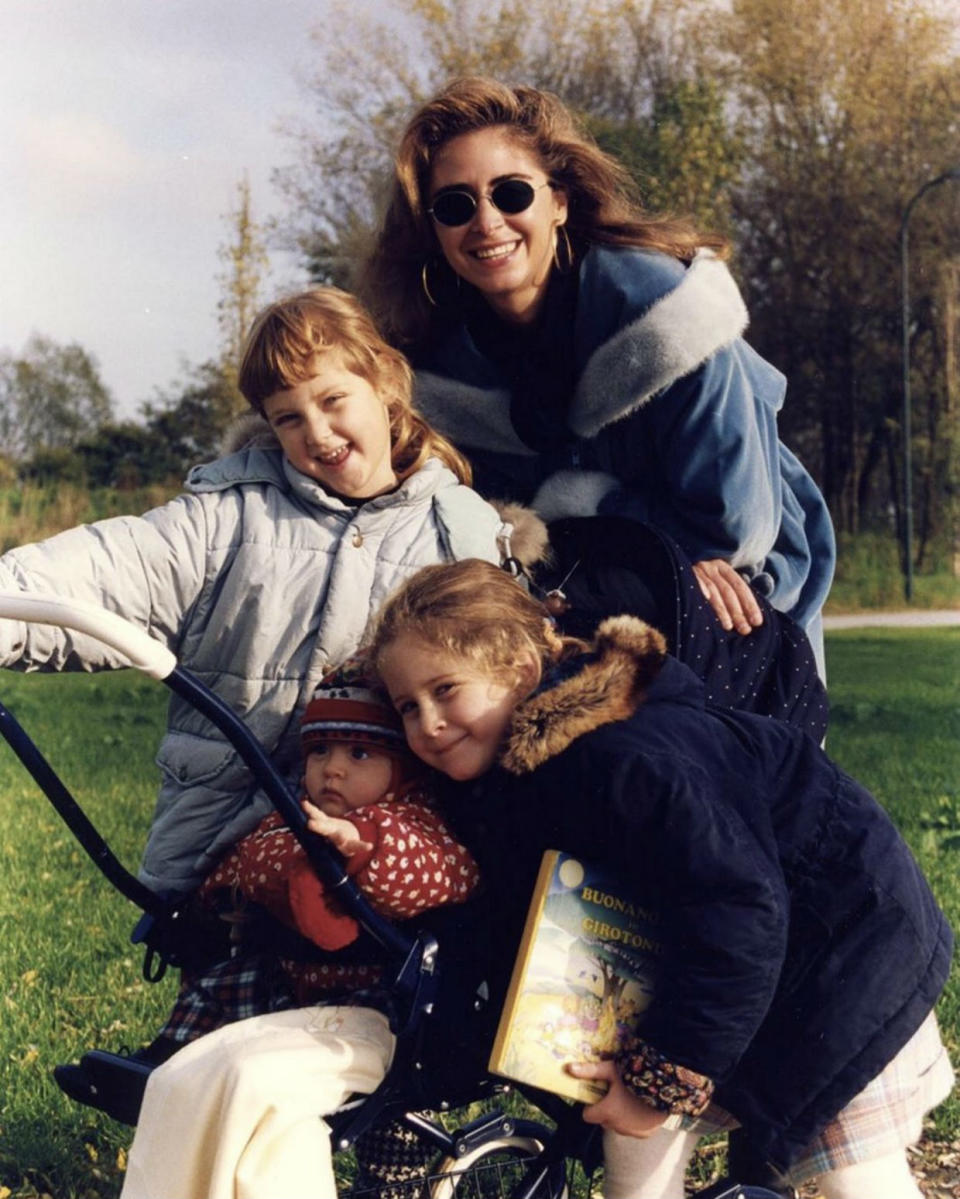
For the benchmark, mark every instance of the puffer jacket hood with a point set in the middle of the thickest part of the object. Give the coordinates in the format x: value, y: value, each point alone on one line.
x: 250, y: 431
x: 526, y: 537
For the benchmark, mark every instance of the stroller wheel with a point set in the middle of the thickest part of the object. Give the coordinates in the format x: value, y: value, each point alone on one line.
x: 490, y: 1170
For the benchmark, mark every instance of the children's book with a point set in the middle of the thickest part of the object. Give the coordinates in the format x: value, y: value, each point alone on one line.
x: 584, y: 972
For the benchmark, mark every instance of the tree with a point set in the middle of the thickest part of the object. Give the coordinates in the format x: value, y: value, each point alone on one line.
x: 190, y: 419
x: 843, y: 111
x: 185, y: 423
x: 244, y: 259
x: 128, y: 455
x: 51, y: 396
x: 179, y: 428
x: 684, y: 157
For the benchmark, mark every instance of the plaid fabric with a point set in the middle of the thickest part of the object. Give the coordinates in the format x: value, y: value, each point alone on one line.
x: 252, y: 984
x: 884, y: 1118
x: 888, y: 1113
x: 232, y: 990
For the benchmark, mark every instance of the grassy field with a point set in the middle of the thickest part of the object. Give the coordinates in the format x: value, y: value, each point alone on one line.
x: 895, y: 724
x: 70, y: 978
x: 29, y: 512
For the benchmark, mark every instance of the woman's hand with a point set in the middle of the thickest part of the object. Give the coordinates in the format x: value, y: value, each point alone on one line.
x: 729, y: 594
x: 619, y: 1110
x: 339, y: 831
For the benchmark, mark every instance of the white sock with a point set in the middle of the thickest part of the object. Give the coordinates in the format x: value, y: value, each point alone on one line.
x: 651, y: 1167
x: 881, y: 1178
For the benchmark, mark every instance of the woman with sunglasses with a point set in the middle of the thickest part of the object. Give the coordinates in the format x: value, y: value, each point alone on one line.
x: 587, y: 356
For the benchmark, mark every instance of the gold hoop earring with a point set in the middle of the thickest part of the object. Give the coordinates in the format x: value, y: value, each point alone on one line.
x: 426, y: 286
x: 444, y: 287
x: 563, y: 268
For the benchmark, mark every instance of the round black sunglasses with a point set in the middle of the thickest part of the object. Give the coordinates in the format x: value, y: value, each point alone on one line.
x: 509, y: 196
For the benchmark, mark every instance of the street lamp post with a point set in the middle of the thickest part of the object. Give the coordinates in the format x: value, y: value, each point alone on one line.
x: 953, y: 173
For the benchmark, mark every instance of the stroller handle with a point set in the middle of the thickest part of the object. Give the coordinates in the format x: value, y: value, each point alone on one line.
x: 158, y: 662
x: 145, y: 652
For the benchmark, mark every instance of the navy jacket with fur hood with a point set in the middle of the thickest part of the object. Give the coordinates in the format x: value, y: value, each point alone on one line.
x: 672, y: 421
x: 804, y: 947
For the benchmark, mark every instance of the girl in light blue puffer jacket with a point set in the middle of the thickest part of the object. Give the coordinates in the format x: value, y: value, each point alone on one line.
x: 264, y: 573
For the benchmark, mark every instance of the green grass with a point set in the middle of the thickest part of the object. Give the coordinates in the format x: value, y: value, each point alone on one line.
x: 30, y: 512
x: 70, y: 979
x: 869, y: 576
x: 895, y: 724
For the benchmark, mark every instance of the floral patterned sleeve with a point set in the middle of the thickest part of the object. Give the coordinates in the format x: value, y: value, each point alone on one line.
x: 662, y: 1083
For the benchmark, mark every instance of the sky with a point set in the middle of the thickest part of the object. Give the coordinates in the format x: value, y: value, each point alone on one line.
x: 125, y: 127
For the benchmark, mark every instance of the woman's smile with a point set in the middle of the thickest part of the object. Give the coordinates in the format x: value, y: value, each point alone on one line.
x: 496, y: 253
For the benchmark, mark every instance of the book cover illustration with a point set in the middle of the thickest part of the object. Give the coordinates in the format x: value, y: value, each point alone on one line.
x: 584, y: 973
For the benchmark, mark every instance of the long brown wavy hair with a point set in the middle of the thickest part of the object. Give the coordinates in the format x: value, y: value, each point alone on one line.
x: 601, y: 199
x: 281, y: 350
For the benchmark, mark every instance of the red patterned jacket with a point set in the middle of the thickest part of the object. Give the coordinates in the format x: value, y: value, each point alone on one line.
x: 414, y: 864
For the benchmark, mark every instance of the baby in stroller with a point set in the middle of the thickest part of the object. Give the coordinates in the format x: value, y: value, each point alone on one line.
x: 364, y: 793
x: 366, y: 1066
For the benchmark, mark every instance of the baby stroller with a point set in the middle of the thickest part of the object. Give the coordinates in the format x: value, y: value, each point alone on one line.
x: 540, y: 1153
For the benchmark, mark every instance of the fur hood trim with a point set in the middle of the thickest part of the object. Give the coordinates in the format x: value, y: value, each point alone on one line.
x: 703, y: 313
x: 248, y: 432
x: 529, y: 539
x: 610, y: 686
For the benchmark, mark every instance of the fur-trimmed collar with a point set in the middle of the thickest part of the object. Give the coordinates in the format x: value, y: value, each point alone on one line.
x: 250, y: 431
x: 703, y: 313
x: 610, y: 686
x: 678, y: 333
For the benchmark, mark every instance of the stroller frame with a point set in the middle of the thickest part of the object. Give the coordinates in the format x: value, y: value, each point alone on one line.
x: 496, y: 1153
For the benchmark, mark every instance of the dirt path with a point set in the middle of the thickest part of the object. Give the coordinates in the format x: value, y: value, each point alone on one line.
x: 916, y: 618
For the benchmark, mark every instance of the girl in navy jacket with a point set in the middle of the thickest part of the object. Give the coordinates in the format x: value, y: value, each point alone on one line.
x: 805, y: 950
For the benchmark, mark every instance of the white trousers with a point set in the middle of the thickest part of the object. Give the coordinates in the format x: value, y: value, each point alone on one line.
x: 655, y: 1168
x: 236, y: 1114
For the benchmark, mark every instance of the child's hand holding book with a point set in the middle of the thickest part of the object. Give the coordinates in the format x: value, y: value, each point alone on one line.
x: 619, y: 1110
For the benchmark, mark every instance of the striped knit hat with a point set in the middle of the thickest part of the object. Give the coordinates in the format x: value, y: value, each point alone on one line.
x: 345, y: 707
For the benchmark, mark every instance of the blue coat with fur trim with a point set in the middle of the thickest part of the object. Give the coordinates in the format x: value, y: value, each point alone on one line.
x: 671, y: 420
x: 803, y: 945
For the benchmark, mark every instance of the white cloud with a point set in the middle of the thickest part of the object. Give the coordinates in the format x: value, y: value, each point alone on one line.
x: 76, y: 156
